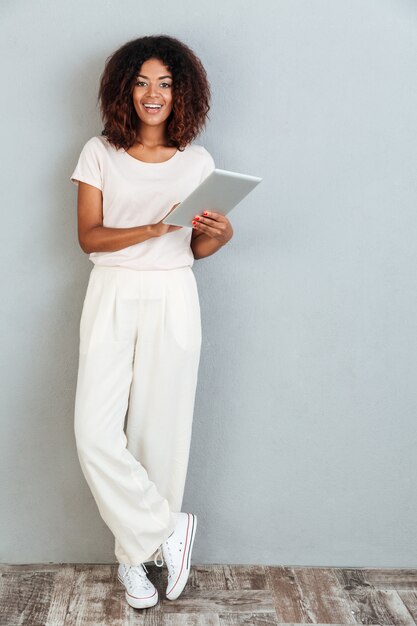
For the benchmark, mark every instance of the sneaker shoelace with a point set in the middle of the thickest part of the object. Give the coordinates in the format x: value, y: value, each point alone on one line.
x: 160, y: 555
x: 140, y: 572
x: 170, y: 562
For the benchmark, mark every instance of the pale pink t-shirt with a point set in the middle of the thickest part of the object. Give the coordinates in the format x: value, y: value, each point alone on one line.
x: 136, y: 193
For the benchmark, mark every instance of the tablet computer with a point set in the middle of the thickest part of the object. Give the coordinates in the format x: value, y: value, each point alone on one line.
x: 221, y: 191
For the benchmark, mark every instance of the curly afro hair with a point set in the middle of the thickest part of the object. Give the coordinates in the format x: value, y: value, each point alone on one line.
x: 191, y: 91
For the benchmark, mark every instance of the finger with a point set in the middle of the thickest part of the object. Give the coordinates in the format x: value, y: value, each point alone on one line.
x: 213, y: 215
x: 207, y: 220
x: 209, y: 223
x: 205, y: 228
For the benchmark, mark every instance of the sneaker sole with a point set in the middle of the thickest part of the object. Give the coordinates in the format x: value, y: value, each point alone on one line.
x: 140, y: 603
x: 181, y: 581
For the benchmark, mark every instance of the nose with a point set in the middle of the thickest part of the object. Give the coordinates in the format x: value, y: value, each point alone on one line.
x: 151, y: 90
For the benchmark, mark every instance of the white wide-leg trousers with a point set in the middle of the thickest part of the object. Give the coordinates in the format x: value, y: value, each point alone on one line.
x: 139, y: 352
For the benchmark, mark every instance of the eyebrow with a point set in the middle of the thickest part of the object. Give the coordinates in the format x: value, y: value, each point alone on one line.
x: 143, y: 76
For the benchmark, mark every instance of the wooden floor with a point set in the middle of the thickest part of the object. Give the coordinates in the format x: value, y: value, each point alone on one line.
x: 215, y: 595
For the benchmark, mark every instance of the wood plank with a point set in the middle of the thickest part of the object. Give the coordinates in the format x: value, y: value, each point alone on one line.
x: 371, y: 605
x: 25, y: 597
x: 245, y: 577
x: 398, y: 579
x: 220, y: 601
x: 64, y: 577
x: 295, y: 602
x: 207, y: 577
x: 97, y: 597
x: 248, y: 619
x: 215, y: 595
x: 409, y: 599
x: 191, y: 619
x: 322, y: 596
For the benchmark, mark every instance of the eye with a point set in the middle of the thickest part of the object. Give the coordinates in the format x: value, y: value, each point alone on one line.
x: 142, y: 82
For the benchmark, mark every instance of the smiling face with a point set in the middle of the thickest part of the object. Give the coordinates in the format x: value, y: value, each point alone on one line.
x: 153, y: 85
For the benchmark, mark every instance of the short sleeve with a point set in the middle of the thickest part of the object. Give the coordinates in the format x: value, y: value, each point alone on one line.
x: 209, y: 165
x: 89, y: 167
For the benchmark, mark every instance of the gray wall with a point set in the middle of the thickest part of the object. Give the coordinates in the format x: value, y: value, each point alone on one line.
x: 304, y: 438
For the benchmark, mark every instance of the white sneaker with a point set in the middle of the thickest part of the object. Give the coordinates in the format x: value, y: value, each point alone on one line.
x: 176, y: 551
x: 140, y: 592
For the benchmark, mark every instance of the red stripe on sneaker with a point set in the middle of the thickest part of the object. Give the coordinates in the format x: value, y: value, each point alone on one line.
x: 137, y: 597
x: 183, y: 556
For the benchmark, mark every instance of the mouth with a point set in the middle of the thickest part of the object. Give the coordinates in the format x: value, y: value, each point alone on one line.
x: 152, y: 109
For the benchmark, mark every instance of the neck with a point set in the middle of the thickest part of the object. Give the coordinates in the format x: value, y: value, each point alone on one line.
x: 152, y: 136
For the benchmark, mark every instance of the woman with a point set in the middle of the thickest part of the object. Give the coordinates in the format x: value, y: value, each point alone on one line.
x: 140, y: 328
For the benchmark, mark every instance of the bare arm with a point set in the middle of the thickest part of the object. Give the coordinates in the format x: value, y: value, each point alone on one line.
x: 94, y: 237
x: 202, y: 245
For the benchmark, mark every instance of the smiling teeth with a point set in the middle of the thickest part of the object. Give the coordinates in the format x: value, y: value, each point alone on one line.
x: 153, y: 106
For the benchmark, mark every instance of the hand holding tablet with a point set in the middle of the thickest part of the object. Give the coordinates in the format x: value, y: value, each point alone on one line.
x: 221, y: 191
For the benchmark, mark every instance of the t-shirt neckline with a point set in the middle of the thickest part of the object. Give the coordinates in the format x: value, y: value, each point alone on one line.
x: 146, y: 163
